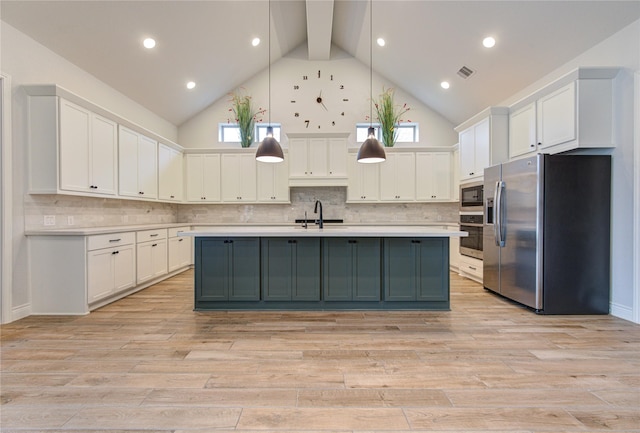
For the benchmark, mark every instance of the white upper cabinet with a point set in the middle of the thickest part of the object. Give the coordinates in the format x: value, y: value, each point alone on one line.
x: 138, y: 165
x: 273, y: 182
x: 72, y: 149
x: 170, y: 174
x: 238, y: 177
x: 317, y: 161
x: 203, y: 177
x: 522, y: 131
x: 398, y: 177
x: 87, y: 150
x: 364, y: 181
x: 483, y: 142
x: 573, y: 112
x: 433, y: 176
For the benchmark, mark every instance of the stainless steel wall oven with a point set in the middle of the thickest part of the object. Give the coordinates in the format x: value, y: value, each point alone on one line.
x: 471, y: 245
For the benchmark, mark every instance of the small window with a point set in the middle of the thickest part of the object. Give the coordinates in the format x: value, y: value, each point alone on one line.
x: 229, y: 133
x: 407, y: 132
x: 262, y: 131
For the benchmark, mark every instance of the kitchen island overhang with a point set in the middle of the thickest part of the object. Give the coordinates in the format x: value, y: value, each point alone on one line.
x: 335, y: 268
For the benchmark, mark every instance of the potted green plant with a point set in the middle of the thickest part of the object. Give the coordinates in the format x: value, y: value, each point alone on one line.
x: 389, y: 115
x: 245, y: 116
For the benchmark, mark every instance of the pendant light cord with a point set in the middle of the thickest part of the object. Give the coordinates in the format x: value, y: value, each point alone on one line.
x: 269, y: 55
x: 371, y: 63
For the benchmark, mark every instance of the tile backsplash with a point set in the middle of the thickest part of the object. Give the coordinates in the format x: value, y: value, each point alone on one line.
x: 93, y: 212
x: 77, y: 212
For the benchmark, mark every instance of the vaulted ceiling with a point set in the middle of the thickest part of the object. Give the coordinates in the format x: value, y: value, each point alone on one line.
x: 209, y: 42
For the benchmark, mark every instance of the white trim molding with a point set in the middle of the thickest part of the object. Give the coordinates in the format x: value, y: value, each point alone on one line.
x: 6, y: 209
x: 636, y: 202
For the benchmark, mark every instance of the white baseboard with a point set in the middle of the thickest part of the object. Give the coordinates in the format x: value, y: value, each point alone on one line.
x: 20, y: 312
x: 621, y: 311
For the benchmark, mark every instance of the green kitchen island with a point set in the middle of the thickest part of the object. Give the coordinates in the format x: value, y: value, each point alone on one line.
x: 334, y: 268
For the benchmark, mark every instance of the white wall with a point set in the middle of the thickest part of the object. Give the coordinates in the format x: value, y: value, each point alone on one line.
x: 28, y: 62
x: 201, y: 131
x: 622, y: 49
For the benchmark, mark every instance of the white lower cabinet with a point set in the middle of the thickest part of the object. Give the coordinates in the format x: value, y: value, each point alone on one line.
x: 110, y: 271
x: 151, y: 251
x: 471, y: 268
x: 76, y: 273
x: 180, y: 249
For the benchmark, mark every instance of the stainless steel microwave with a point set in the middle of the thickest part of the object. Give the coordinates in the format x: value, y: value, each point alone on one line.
x: 471, y: 197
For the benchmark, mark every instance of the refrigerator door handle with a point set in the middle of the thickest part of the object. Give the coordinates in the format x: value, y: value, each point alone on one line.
x: 498, y: 216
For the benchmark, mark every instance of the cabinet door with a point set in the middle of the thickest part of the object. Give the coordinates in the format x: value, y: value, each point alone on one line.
x: 318, y: 161
x: 203, y: 178
x: 124, y: 268
x: 482, y: 137
x: 211, y: 269
x: 337, y: 269
x: 244, y: 259
x: 432, y: 269
x: 179, y: 253
x: 557, y: 116
x: 277, y: 270
x: 522, y: 131
x: 238, y: 177
x: 100, y: 282
x: 169, y: 173
x: 306, y: 269
x: 363, y: 181
x: 467, y: 154
x: 128, y: 163
x: 147, y: 167
x: 103, y: 158
x: 159, y: 258
x: 211, y: 178
x: 351, y: 269
x: 74, y: 147
x: 433, y: 176
x: 398, y: 177
x: 298, y: 156
x: 144, y: 260
x: 337, y: 157
x: 272, y: 182
x: 366, y: 269
x: 399, y: 267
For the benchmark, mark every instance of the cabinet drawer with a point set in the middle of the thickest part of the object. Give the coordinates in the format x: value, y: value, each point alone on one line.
x: 173, y: 232
x: 471, y: 266
x: 110, y: 240
x: 151, y: 235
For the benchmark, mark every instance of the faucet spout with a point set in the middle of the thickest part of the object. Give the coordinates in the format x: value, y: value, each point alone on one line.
x: 315, y: 210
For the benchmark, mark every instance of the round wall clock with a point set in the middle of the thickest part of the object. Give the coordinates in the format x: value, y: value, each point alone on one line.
x: 318, y: 100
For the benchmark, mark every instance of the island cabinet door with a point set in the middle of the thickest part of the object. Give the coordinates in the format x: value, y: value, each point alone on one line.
x: 290, y: 269
x: 227, y: 269
x: 351, y: 269
x: 433, y: 269
x: 399, y: 269
x: 416, y: 269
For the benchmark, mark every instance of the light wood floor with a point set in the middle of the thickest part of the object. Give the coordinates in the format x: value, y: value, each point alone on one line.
x: 149, y: 363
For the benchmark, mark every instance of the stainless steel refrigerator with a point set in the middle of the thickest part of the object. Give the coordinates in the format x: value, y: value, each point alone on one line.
x: 546, y: 236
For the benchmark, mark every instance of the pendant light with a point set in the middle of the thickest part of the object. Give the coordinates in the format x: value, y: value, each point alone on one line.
x: 371, y: 150
x: 269, y: 149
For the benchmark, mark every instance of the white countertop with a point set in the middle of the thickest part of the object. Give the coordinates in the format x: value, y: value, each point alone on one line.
x: 336, y: 230
x: 273, y: 230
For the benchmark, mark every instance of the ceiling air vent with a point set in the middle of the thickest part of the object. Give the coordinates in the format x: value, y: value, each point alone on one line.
x: 465, y: 72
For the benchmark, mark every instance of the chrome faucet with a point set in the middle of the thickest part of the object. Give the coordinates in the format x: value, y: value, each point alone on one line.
x: 315, y: 210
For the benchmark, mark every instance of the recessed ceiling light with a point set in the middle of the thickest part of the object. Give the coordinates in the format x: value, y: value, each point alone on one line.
x: 488, y: 42
x: 444, y: 84
x: 255, y: 42
x: 381, y: 42
x: 149, y: 43
x: 191, y: 85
